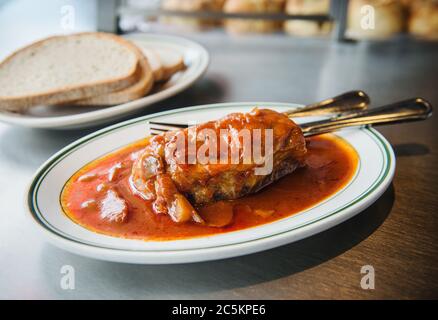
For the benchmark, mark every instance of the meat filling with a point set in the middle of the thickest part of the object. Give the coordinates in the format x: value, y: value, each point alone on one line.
x: 165, y: 174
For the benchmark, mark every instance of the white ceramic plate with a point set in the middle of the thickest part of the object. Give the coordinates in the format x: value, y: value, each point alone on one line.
x: 373, y: 175
x: 70, y: 117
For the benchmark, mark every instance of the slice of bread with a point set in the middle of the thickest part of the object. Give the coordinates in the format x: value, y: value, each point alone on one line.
x: 66, y: 68
x: 171, y: 60
x: 158, y: 63
x: 154, y: 62
x: 136, y: 91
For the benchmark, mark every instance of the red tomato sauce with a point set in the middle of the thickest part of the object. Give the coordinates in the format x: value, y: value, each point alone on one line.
x: 330, y: 164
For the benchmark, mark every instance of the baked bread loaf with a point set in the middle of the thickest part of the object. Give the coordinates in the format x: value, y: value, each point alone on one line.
x: 252, y: 6
x: 423, y: 20
x: 303, y: 27
x: 389, y: 18
x: 67, y: 68
x: 191, y: 6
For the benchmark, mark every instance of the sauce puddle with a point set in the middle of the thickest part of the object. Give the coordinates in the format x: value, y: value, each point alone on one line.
x: 330, y: 165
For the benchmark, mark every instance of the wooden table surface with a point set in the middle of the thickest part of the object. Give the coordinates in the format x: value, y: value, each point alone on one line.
x: 397, y: 235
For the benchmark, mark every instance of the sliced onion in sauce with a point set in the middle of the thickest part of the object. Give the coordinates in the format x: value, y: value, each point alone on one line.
x: 218, y: 214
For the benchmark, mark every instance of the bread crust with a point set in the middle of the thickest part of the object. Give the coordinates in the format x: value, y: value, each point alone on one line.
x: 169, y: 71
x: 69, y: 93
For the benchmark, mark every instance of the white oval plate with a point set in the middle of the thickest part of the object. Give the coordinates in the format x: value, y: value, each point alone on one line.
x: 373, y: 175
x: 70, y: 117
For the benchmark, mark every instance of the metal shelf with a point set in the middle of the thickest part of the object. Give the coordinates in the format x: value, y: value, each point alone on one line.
x: 113, y: 9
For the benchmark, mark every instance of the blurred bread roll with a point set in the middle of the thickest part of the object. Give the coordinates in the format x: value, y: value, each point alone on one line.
x: 191, y: 6
x: 252, y: 6
x: 389, y: 19
x: 423, y: 19
x: 304, y: 27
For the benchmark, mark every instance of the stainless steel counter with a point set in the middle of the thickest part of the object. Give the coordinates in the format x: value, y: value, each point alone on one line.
x: 259, y: 68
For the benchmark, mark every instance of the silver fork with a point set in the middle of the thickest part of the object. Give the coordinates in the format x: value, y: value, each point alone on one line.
x: 344, y: 103
x: 402, y: 111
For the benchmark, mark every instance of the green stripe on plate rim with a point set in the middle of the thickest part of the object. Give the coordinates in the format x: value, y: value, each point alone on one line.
x: 63, y: 153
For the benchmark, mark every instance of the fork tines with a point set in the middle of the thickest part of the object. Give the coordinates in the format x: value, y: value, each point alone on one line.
x: 160, y: 127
